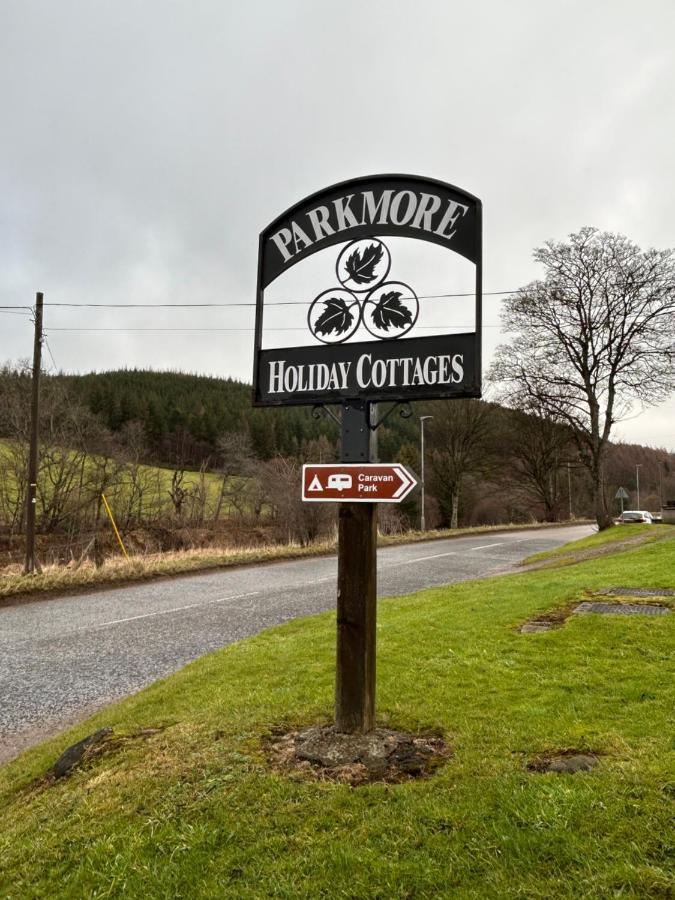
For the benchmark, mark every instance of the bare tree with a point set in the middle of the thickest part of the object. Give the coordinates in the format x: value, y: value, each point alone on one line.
x: 236, y: 467
x: 538, y: 447
x: 591, y: 340
x: 179, y: 492
x: 459, y: 438
x: 295, y: 520
x: 139, y: 493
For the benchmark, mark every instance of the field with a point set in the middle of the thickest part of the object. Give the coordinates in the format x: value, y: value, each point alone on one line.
x: 194, y: 809
x: 156, y: 481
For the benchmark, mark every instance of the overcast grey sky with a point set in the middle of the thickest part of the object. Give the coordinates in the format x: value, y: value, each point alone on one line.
x: 145, y: 145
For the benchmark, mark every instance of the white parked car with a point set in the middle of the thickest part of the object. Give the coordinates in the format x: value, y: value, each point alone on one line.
x: 636, y: 515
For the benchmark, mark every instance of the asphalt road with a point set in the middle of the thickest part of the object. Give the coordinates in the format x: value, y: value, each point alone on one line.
x: 62, y: 658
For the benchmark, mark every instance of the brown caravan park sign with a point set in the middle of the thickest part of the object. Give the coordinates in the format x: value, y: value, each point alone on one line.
x: 361, y: 483
x: 360, y: 342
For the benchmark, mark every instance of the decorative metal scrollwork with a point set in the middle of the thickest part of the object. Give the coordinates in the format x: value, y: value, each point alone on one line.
x: 319, y: 411
x: 404, y: 411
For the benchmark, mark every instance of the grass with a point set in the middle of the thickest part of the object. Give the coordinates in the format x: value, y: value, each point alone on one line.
x: 195, y: 811
x: 602, y: 542
x: 59, y: 578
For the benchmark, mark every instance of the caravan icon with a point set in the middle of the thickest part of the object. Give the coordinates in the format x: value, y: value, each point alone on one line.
x: 339, y: 482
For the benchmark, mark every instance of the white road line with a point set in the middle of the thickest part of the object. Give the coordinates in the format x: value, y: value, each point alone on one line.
x: 451, y: 553
x: 486, y: 546
x: 166, y: 612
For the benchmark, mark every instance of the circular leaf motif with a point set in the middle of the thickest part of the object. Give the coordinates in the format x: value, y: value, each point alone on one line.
x: 334, y: 316
x: 363, y: 265
x: 391, y: 310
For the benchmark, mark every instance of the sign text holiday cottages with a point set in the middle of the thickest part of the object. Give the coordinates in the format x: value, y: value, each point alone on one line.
x: 345, y: 375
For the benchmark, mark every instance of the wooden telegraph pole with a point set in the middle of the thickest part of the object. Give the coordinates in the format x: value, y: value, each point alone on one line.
x: 32, y: 563
x: 357, y: 586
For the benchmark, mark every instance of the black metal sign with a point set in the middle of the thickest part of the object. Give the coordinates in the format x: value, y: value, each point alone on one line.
x: 440, y: 366
x: 365, y: 299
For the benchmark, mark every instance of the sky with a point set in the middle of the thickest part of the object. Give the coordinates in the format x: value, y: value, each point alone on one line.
x: 145, y: 146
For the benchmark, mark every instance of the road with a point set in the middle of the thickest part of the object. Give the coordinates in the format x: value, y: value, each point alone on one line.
x: 62, y: 658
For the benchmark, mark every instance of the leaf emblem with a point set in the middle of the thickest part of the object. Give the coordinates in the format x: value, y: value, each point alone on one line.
x: 361, y: 267
x: 336, y: 317
x: 390, y: 312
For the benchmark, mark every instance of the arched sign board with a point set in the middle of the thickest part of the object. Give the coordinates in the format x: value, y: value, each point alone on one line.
x: 360, y: 340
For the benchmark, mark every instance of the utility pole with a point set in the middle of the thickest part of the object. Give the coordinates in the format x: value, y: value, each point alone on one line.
x: 637, y: 479
x: 32, y: 563
x: 569, y: 490
x: 423, y: 524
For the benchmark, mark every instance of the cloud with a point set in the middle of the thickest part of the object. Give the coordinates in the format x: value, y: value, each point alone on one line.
x: 146, y: 145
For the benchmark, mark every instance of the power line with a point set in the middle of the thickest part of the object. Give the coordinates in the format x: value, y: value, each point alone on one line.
x: 51, y: 355
x: 249, y: 330
x: 66, y: 304
x: 247, y: 304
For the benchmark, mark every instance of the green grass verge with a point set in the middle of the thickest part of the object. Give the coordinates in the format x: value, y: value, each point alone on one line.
x: 611, y: 540
x: 195, y: 811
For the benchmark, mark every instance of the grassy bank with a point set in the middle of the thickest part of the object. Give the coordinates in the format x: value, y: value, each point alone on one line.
x: 57, y: 579
x: 195, y: 811
x: 609, y: 541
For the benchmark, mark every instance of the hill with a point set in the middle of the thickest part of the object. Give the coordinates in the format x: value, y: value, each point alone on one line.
x: 185, y: 416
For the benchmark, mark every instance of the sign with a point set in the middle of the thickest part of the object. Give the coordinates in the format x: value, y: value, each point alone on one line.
x: 361, y: 483
x: 431, y: 367
x: 359, y: 345
x: 359, y: 342
x: 621, y: 494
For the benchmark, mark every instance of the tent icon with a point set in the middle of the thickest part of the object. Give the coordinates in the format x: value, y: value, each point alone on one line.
x: 315, y: 485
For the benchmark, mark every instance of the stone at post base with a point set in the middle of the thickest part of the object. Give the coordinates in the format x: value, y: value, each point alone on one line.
x: 380, y: 755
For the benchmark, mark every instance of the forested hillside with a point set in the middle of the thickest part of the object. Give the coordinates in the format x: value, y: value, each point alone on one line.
x: 485, y: 464
x: 185, y: 416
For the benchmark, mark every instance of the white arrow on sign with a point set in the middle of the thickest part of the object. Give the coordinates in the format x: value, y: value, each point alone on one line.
x: 407, y: 483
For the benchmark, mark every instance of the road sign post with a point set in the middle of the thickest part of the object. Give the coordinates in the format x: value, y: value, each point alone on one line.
x: 621, y: 494
x: 356, y: 617
x: 374, y: 310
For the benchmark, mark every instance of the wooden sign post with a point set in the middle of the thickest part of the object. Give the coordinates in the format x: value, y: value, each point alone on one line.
x: 362, y: 352
x: 357, y: 585
x: 356, y: 617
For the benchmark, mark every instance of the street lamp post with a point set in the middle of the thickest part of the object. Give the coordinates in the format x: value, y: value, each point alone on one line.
x: 637, y: 479
x: 423, y: 524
